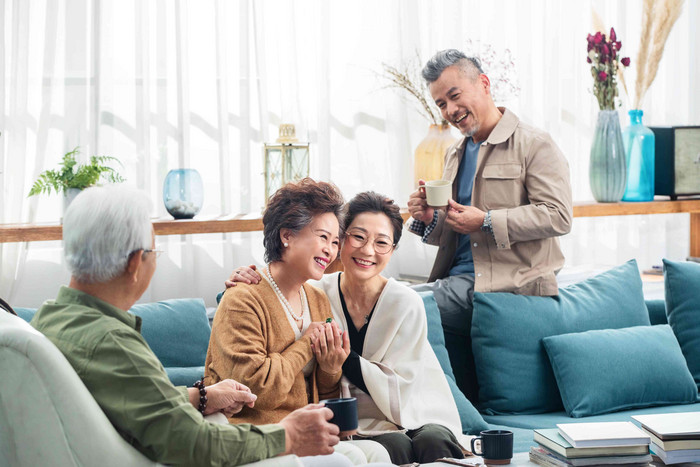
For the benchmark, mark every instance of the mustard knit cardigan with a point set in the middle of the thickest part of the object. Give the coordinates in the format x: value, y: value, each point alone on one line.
x: 252, y: 342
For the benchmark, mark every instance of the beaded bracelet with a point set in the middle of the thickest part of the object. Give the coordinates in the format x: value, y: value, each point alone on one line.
x: 202, y: 396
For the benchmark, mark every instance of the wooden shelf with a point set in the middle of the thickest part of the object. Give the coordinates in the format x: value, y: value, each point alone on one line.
x: 251, y: 223
x: 46, y: 232
x: 626, y: 209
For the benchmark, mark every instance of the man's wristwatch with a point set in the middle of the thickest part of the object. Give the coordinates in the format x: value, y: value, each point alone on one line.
x: 486, y: 226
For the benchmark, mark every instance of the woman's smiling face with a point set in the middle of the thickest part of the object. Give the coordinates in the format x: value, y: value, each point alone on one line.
x: 368, y: 232
x: 311, y: 250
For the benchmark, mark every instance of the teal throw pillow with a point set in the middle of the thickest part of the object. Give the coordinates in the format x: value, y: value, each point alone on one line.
x: 472, y: 421
x: 176, y: 330
x: 618, y: 369
x: 682, y: 282
x: 514, y: 373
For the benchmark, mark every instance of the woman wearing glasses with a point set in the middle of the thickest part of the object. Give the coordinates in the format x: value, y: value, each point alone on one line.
x: 404, y: 401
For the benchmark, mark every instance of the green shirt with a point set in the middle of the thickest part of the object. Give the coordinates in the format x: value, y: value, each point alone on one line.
x: 105, y: 347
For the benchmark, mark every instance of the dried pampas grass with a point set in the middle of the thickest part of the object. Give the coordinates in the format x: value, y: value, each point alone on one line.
x: 597, y: 22
x: 658, y: 19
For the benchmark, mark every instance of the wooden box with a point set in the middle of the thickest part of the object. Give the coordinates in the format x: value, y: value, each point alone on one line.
x: 677, y: 161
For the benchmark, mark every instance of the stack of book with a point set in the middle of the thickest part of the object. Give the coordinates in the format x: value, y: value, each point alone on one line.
x: 585, y: 444
x: 675, y: 437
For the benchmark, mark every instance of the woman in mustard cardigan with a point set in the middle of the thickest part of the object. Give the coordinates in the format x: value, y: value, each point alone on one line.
x: 263, y: 336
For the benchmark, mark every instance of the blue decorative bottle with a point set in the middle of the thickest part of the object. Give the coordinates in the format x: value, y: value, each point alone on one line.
x: 639, y: 154
x: 183, y: 193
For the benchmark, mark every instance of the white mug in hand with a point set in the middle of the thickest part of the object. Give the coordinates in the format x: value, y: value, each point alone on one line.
x: 437, y: 192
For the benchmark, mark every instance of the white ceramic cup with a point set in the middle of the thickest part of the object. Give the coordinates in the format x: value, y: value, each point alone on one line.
x: 437, y: 192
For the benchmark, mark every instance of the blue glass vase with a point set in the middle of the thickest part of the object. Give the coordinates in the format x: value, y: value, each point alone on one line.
x: 639, y: 153
x: 607, y: 170
x: 183, y: 193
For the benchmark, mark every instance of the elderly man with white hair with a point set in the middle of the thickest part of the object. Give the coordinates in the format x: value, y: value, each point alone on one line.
x: 109, y: 248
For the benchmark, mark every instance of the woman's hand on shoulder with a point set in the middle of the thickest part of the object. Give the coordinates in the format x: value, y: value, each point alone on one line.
x: 248, y: 274
x: 331, y: 347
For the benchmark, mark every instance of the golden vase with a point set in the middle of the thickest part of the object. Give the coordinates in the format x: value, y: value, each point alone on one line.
x: 429, y: 158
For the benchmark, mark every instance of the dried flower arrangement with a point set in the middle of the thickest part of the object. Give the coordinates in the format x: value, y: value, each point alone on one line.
x: 605, y: 62
x: 658, y: 18
x: 408, y: 78
x: 500, y: 68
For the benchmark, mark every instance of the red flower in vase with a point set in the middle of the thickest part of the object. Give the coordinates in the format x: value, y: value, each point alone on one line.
x: 602, y: 55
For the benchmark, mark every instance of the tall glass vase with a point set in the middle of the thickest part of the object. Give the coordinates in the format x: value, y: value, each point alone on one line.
x: 607, y: 169
x: 639, y: 153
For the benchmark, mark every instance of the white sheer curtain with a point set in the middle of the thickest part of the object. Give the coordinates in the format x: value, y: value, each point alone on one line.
x: 202, y: 84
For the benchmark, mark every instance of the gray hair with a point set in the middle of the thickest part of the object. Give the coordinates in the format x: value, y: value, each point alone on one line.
x: 470, y: 66
x: 101, y: 228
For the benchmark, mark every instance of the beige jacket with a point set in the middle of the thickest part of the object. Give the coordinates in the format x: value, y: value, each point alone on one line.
x: 522, y: 177
x: 253, y: 343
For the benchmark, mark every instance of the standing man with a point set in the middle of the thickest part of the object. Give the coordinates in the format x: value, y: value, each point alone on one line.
x: 511, y: 198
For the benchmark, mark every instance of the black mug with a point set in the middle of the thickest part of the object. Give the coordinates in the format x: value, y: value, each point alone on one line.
x: 496, y: 446
x: 344, y: 414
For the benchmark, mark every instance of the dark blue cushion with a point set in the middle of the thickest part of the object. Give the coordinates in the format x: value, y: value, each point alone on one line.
x: 176, y: 330
x: 682, y: 281
x: 609, y: 370
x: 513, y: 369
x: 472, y: 421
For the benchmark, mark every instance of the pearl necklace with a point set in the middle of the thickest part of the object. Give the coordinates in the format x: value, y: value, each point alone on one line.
x: 285, y: 303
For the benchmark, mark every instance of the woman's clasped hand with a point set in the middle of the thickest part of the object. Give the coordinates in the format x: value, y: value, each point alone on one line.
x: 331, y: 346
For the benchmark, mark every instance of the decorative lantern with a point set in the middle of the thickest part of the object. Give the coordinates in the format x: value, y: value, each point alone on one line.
x: 285, y: 161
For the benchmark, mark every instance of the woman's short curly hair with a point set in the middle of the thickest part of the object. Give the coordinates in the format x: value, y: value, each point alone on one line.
x: 369, y: 201
x: 293, y: 207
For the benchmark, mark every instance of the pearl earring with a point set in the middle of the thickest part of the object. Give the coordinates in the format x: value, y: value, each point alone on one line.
x: 286, y: 244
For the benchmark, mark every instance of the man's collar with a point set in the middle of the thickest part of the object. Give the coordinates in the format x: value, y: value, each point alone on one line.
x: 67, y: 295
x: 505, y: 127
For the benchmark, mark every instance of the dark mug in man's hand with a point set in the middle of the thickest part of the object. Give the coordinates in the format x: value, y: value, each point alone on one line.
x: 344, y: 414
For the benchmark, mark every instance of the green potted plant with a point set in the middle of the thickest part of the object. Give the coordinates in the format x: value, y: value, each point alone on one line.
x: 71, y: 178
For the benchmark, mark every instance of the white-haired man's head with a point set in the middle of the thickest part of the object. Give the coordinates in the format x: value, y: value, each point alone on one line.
x: 101, y: 228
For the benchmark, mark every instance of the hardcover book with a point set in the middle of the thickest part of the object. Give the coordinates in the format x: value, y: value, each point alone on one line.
x: 555, y: 442
x: 675, y: 444
x: 672, y: 426
x: 677, y: 457
x: 582, y: 435
x: 542, y: 456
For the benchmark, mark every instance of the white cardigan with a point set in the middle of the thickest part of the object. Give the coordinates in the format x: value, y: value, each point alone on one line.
x: 403, y: 376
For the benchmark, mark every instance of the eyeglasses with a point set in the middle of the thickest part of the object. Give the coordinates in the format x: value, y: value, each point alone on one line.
x: 358, y: 240
x: 147, y: 250
x: 151, y: 250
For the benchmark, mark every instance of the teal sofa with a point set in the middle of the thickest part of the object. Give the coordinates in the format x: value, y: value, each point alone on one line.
x: 509, y: 348
x: 597, y: 352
